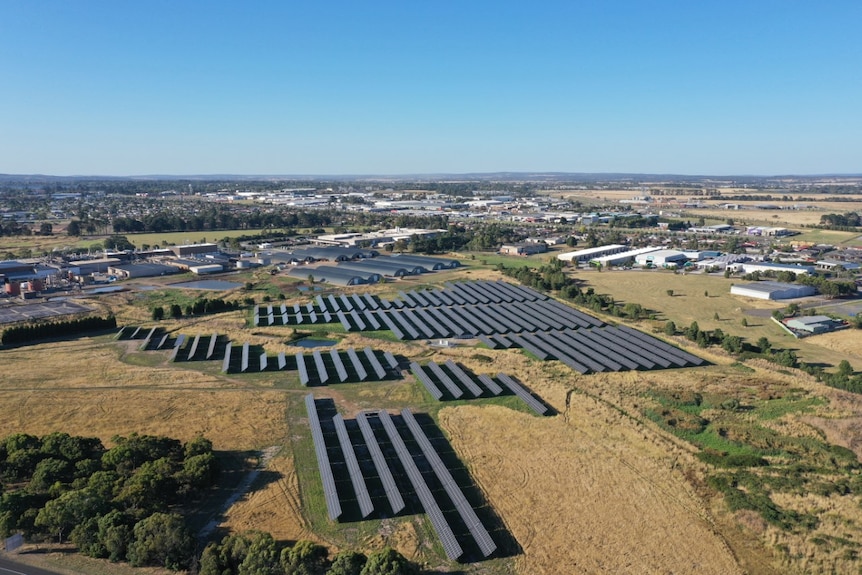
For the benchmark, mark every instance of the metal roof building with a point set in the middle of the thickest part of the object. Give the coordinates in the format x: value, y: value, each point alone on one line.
x: 590, y: 253
x: 381, y: 267
x: 622, y: 257
x: 772, y: 290
x: 812, y: 324
x: 428, y: 262
x: 329, y: 274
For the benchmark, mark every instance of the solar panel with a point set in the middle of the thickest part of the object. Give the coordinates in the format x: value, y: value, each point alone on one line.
x: 320, y: 366
x: 344, y: 321
x: 269, y: 310
x: 320, y: 303
x: 225, y: 366
x: 212, y: 345
x: 504, y: 342
x: 393, y: 494
x: 587, y: 339
x: 361, y: 374
x: 194, y: 348
x: 271, y: 319
x: 370, y: 320
x: 327, y: 317
x: 360, y: 324
x: 488, y: 341
x: 416, y: 321
x: 333, y: 505
x: 244, y: 365
x: 463, y: 377
x: 684, y: 356
x: 303, y: 369
x: 518, y: 390
x: 478, y: 288
x: 177, y: 345
x: 358, y: 302
x: 638, y: 348
x: 406, y: 326
x: 384, y: 303
x: 346, y: 304
x: 426, y: 381
x: 282, y: 361
x: 393, y: 327
x: 122, y: 333
x: 444, y: 298
x: 595, y: 357
x: 500, y: 293
x: 390, y: 359
x: 370, y: 302
x: 299, y: 318
x: 163, y: 341
x: 462, y: 506
x: 375, y: 364
x: 334, y: 304
x: 440, y: 318
x: 284, y: 319
x: 544, y: 321
x: 418, y: 299
x: 444, y: 378
x: 467, y: 314
x: 428, y: 320
x: 573, y: 358
x: 256, y: 315
x: 406, y: 300
x: 528, y: 345
x: 431, y: 296
x: 148, y: 337
x: 309, y: 307
x: 356, y: 478
x: 461, y: 325
x: 263, y: 361
x: 435, y: 515
x: 339, y: 365
x: 181, y: 339
x: 490, y: 384
x: 283, y: 309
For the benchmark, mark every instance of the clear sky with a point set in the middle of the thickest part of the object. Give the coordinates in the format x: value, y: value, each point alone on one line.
x: 709, y: 87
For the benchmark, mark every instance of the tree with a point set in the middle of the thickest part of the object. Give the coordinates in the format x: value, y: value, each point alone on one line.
x: 74, y: 228
x: 158, y: 313
x: 670, y: 292
x: 161, y: 540
x: 73, y: 507
x: 46, y: 229
x: 388, y: 561
x: 763, y: 345
x: 304, y: 558
x: 845, y: 369
x: 348, y: 563
x: 744, y: 322
x: 176, y: 311
x: 670, y: 328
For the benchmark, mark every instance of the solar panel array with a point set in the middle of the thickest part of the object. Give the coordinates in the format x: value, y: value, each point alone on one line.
x: 417, y: 472
x: 453, y: 381
x: 333, y: 504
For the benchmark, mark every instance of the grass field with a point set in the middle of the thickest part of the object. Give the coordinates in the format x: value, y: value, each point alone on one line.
x: 603, y: 486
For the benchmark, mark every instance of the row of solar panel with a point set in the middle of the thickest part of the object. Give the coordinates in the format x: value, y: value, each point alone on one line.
x: 609, y: 348
x: 452, y: 381
x: 392, y: 439
x: 316, y: 368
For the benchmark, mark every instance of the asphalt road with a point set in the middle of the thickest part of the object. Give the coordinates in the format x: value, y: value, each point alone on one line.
x: 9, y: 567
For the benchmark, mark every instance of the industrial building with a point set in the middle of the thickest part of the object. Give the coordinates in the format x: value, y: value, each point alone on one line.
x: 772, y: 290
x: 622, y: 257
x: 380, y: 266
x: 128, y: 271
x: 523, y: 249
x: 661, y: 259
x: 764, y: 267
x: 191, y: 250
x: 429, y: 263
x: 330, y: 274
x: 587, y: 254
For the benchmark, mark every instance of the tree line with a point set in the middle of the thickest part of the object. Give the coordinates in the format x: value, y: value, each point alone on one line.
x: 124, y: 503
x: 25, y: 333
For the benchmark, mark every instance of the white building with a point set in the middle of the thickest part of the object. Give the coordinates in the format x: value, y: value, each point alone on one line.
x: 772, y: 267
x: 587, y: 254
x: 622, y: 257
x: 772, y: 290
x: 661, y: 258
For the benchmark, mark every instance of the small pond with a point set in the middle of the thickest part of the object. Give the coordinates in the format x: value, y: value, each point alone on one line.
x: 312, y: 342
x: 215, y: 285
x: 109, y: 289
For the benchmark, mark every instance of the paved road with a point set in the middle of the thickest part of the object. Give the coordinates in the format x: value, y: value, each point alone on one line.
x: 9, y: 567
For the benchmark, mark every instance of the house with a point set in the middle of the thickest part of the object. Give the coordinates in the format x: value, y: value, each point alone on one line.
x: 813, y: 324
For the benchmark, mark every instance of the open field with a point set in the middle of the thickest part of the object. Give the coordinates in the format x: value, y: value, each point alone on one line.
x: 689, y: 303
x: 603, y: 486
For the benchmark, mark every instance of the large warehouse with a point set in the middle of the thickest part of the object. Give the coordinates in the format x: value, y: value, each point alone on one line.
x: 661, y: 258
x: 590, y: 253
x: 772, y: 290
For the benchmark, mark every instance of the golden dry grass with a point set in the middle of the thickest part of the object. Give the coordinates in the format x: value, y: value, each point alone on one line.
x: 578, y: 491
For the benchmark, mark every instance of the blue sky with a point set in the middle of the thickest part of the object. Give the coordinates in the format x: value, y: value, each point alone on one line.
x: 286, y: 87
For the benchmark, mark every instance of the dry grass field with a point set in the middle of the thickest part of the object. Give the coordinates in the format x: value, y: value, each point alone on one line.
x: 598, y: 487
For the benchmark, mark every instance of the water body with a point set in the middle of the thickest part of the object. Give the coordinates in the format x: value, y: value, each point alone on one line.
x: 110, y: 289
x: 213, y: 285
x: 312, y: 342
